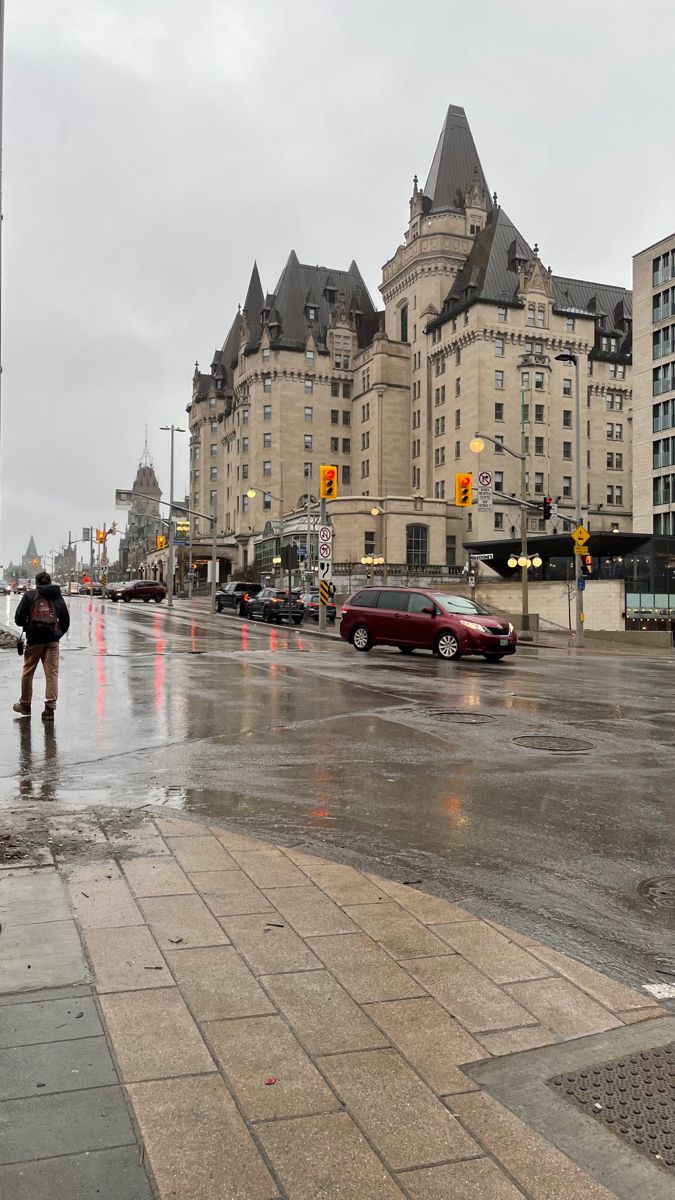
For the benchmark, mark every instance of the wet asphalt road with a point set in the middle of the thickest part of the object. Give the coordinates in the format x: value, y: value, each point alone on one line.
x: 406, y: 766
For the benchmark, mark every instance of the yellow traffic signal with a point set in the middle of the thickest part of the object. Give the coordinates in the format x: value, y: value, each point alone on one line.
x: 100, y: 535
x: 463, y: 489
x: 160, y: 541
x: 328, y: 482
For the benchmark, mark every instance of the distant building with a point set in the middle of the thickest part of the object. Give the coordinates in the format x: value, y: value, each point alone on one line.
x: 654, y: 387
x: 31, y: 562
x: 144, y: 522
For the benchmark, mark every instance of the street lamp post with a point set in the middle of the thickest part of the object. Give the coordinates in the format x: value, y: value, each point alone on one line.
x: 569, y: 357
x: 173, y: 429
x: 370, y: 561
x: 477, y: 444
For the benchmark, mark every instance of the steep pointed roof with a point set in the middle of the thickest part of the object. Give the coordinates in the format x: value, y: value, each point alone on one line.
x: 31, y: 551
x: 298, y: 281
x: 456, y: 165
x: 254, y: 303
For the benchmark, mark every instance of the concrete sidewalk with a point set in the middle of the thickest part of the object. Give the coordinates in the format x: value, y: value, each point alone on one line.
x: 283, y: 1026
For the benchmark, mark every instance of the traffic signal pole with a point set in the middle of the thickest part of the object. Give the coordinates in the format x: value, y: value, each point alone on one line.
x: 322, y: 607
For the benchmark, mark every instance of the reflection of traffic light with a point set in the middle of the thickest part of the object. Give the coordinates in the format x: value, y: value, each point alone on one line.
x: 586, y: 564
x: 463, y: 489
x: 328, y: 482
x: 546, y: 507
x: 160, y: 541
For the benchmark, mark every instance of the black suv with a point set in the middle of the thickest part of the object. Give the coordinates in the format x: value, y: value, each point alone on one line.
x: 272, y: 605
x: 236, y: 595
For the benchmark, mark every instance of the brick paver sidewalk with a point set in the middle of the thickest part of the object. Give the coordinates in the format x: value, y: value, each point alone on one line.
x: 285, y: 1026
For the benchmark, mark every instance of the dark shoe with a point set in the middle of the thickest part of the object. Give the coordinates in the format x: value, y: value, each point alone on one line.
x: 22, y: 709
x: 48, y: 714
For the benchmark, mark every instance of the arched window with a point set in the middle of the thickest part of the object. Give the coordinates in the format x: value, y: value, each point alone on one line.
x: 404, y: 323
x: 417, y: 545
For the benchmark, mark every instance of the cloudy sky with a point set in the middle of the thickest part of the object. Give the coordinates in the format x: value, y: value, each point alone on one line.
x: 154, y: 148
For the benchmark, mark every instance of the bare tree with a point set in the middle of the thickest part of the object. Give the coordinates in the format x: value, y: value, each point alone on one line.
x: 569, y: 587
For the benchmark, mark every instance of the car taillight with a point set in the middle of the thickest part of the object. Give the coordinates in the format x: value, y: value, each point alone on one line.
x: 343, y: 612
x: 274, y: 600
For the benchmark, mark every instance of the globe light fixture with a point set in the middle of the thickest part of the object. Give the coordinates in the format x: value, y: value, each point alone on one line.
x: 523, y: 561
x: 536, y: 561
x: 376, y: 512
x: 251, y: 493
x: 513, y: 561
x: 476, y: 445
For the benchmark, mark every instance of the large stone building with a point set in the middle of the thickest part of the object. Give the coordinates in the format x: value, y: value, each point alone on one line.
x: 143, y: 521
x: 468, y: 339
x: 654, y: 386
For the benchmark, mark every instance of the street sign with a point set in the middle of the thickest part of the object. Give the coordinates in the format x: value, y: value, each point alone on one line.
x: 86, y: 533
x: 580, y: 535
x: 485, y: 491
x: 324, y: 591
x: 554, y: 510
x: 581, y: 584
x: 581, y: 549
x: 325, y: 533
x: 123, y: 498
x: 485, y: 479
x: 325, y: 550
x: 483, y: 557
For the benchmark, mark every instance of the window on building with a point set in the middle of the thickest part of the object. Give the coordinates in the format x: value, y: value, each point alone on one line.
x: 541, y: 316
x: 346, y: 417
x: 458, y: 356
x: 501, y: 312
x: 416, y: 545
x: 334, y: 416
x: 439, y: 456
x: 499, y: 411
x: 267, y: 467
x: 569, y: 324
x: 334, y: 445
x: 365, y: 441
x: 214, y: 427
x: 308, y: 441
x: 469, y: 522
x: 365, y: 468
x: 267, y: 501
x: 267, y: 383
x: 267, y: 412
x: 404, y: 323
x: 440, y: 426
x: 213, y: 497
x: 346, y: 391
x: 539, y: 412
x: 244, y: 504
x: 266, y: 354
x: 309, y: 387
x: 530, y: 314
x: 214, y: 472
x: 614, y: 401
x: 244, y: 445
x: 309, y: 356
x: 538, y: 482
x: 365, y: 411
x: 499, y: 379
x: 439, y: 489
x: 244, y: 417
x: 499, y: 481
x: 567, y: 485
x: 212, y: 401
x: 567, y: 450
x: 458, y: 449
x: 346, y: 474
x: 309, y: 414
x: 539, y: 445
x: 334, y: 387
x: 458, y: 418
x: 567, y: 387
x: 244, y: 471
x: 525, y: 380
x: 214, y: 449
x: 346, y: 445
x: 499, y: 347
x: 567, y: 418
x: 499, y: 520
x: 267, y: 441
x: 539, y: 381
x: 458, y: 387
x: 499, y: 439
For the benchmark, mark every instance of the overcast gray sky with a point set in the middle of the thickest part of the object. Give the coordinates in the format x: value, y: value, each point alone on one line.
x: 154, y: 148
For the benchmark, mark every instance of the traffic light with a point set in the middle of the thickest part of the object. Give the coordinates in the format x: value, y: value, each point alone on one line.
x: 464, y: 489
x: 547, y: 507
x: 328, y: 482
x: 160, y: 541
x: 100, y: 535
x: 586, y: 564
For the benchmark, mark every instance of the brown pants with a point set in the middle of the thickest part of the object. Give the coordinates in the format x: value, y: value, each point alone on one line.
x: 48, y: 655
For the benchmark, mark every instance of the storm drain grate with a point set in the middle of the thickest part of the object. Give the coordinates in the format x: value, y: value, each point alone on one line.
x: 633, y: 1096
x: 661, y: 891
x: 557, y: 745
x: 460, y: 716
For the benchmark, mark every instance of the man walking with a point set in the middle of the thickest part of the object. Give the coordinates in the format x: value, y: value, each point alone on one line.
x: 44, y: 616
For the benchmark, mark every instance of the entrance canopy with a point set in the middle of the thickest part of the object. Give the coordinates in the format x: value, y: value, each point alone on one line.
x: 556, y: 546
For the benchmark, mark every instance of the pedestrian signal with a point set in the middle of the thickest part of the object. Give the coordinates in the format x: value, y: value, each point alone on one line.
x: 328, y: 482
x: 160, y: 541
x: 464, y: 489
x: 586, y: 564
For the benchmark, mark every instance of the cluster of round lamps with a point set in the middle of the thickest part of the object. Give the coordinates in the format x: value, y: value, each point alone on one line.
x: 522, y: 560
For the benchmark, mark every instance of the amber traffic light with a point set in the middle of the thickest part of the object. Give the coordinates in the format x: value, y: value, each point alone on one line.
x: 328, y: 482
x: 160, y: 541
x: 463, y: 489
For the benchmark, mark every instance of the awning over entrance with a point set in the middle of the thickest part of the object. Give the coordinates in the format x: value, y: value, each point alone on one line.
x: 556, y: 545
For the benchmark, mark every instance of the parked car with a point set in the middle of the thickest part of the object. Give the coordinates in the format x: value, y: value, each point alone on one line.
x: 92, y: 589
x: 273, y: 606
x: 138, y: 589
x: 236, y: 595
x: 413, y: 619
x: 311, y: 603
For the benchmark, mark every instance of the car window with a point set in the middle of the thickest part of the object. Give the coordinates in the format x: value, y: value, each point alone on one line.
x: 394, y: 601
x: 418, y: 602
x: 460, y: 604
x: 365, y: 599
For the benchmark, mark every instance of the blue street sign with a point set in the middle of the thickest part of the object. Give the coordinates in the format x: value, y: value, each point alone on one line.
x: 581, y: 584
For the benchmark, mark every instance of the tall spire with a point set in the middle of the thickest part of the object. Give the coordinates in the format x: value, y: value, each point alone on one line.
x: 456, y: 167
x: 146, y: 457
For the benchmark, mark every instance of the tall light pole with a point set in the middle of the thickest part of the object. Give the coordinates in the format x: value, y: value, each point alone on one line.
x: 570, y: 357
x: 477, y: 444
x: 173, y: 429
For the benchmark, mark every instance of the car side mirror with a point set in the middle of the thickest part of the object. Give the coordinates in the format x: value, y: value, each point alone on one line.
x: 431, y: 611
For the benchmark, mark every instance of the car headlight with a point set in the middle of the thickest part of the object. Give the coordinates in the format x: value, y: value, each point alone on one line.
x: 474, y: 625
x: 511, y: 629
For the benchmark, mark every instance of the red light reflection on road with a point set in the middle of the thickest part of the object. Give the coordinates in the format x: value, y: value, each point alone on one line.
x: 273, y: 639
x: 193, y: 639
x: 159, y: 665
x: 244, y: 638
x: 453, y: 808
x: 99, y: 638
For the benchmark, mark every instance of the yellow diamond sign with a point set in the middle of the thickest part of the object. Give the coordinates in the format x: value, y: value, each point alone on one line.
x: 580, y: 535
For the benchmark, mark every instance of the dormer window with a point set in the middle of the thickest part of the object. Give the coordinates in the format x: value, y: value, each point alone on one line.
x: 331, y: 295
x: 265, y: 315
x: 312, y: 313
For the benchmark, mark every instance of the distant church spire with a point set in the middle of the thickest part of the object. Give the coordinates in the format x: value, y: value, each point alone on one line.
x: 146, y: 457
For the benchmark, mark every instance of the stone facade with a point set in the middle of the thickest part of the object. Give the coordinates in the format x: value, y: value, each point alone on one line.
x: 468, y: 339
x: 654, y: 384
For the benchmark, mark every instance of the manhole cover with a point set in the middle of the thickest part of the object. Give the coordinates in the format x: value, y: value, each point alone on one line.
x: 661, y: 891
x: 634, y: 1096
x: 458, y: 716
x: 533, y: 741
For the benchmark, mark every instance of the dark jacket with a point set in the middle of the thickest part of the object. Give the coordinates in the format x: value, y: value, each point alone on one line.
x: 51, y: 591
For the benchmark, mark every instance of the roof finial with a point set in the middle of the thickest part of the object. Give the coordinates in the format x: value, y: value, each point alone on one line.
x: 415, y: 182
x: 146, y: 458
x: 494, y: 199
x: 535, y: 250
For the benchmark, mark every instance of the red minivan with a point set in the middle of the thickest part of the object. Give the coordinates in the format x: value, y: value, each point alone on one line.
x: 413, y: 619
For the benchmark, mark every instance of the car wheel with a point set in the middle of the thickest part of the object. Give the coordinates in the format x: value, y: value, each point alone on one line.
x: 114, y: 599
x: 406, y: 649
x: 447, y: 646
x: 493, y: 657
x: 145, y: 599
x: 361, y: 639
x: 297, y: 620
x: 267, y: 616
x: 158, y: 599
x: 127, y: 599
